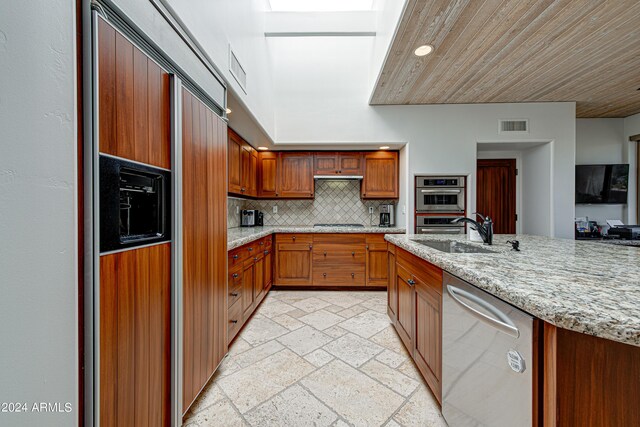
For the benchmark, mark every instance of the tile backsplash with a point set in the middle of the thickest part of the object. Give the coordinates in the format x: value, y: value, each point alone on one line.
x: 335, y: 202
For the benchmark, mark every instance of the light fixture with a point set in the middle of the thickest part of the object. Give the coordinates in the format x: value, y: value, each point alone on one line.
x: 263, y: 148
x: 384, y: 147
x: 229, y: 111
x: 423, y: 50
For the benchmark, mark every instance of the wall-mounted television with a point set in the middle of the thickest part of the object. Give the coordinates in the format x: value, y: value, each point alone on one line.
x: 604, y: 184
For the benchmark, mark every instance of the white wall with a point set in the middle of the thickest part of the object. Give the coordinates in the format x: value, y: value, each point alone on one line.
x: 388, y: 18
x: 601, y: 141
x: 538, y: 189
x: 632, y: 127
x: 216, y: 24
x: 38, y: 262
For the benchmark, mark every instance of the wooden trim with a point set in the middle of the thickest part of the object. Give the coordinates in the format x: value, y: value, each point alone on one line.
x: 549, y: 403
x: 634, y: 137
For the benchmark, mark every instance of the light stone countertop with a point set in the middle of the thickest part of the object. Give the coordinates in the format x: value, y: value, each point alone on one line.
x: 239, y: 236
x: 576, y: 285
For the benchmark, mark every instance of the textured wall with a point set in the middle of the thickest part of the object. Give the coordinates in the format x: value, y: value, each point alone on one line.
x: 335, y: 202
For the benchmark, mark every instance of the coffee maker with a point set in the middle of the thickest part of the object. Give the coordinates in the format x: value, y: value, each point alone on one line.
x: 387, y: 218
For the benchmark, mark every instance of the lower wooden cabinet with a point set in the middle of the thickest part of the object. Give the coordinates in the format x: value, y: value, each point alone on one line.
x: 377, y: 260
x: 293, y: 259
x: 415, y: 307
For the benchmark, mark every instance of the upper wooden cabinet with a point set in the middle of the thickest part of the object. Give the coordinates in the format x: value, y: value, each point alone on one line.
x: 295, y: 175
x: 243, y: 166
x: 380, y: 175
x: 331, y: 163
x: 267, y: 174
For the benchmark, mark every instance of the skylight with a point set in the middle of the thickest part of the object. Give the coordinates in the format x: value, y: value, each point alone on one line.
x: 320, y: 5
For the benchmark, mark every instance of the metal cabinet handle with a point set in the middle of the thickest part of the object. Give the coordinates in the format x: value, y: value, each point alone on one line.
x: 243, y: 189
x: 325, y: 253
x: 233, y: 321
x: 310, y: 246
x: 353, y: 274
x: 353, y: 254
x: 235, y: 256
x: 261, y: 243
x: 266, y: 252
x: 250, y: 249
x: 235, y: 275
x: 367, y: 247
x: 324, y: 274
x: 234, y: 294
x: 411, y: 282
x: 294, y: 237
x: 255, y: 259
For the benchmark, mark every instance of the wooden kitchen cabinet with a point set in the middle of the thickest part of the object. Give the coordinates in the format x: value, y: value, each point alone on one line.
x: 295, y: 175
x: 392, y: 288
x: 243, y: 166
x: 293, y: 259
x: 249, y: 158
x: 380, y: 178
x: 267, y: 175
x: 337, y: 163
x: 377, y: 259
x: 234, y: 152
x: 248, y: 283
x: 418, y: 318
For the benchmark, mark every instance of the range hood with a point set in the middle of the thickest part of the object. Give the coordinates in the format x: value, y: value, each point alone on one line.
x: 338, y: 177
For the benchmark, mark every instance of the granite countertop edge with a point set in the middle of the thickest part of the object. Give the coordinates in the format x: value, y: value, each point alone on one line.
x: 240, y: 236
x: 583, y: 313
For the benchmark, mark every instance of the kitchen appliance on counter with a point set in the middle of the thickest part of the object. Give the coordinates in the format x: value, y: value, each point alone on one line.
x: 624, y: 232
x: 251, y: 218
x: 135, y: 204
x: 438, y: 225
x: 440, y: 194
x: 487, y: 363
x: 387, y: 215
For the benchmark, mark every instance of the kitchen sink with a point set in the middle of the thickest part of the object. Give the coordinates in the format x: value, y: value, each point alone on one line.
x: 454, y: 247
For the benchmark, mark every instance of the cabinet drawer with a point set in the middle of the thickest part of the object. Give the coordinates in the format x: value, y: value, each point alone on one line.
x: 373, y: 239
x: 338, y: 239
x: 237, y: 256
x: 430, y: 274
x: 234, y: 277
x: 338, y: 255
x: 235, y: 294
x: 339, y: 276
x: 294, y: 238
x: 235, y: 320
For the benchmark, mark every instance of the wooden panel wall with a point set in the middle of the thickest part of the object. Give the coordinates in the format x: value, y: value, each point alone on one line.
x: 134, y: 101
x: 135, y: 347
x: 205, y: 244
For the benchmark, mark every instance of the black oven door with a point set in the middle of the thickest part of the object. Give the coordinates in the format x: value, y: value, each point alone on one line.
x: 135, y: 204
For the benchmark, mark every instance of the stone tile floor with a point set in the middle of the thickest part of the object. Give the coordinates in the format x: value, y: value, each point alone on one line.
x: 317, y: 358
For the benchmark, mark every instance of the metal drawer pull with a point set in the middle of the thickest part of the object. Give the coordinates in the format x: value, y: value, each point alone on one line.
x: 235, y: 256
x: 503, y: 323
x: 266, y: 252
x: 250, y: 249
x: 294, y: 237
x: 411, y: 282
x: 353, y: 274
x: 325, y: 253
x: 310, y: 246
x: 324, y: 274
x: 255, y: 259
x: 353, y: 253
x: 261, y: 243
x: 233, y: 321
x: 235, y: 275
x: 234, y: 294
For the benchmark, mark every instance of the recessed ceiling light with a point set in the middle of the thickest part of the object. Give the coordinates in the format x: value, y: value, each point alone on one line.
x: 423, y: 50
x: 263, y: 148
x: 384, y: 147
x: 229, y: 111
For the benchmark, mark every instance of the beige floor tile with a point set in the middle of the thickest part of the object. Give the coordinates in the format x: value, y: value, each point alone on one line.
x: 366, y: 324
x: 352, y: 311
x: 391, y: 358
x: 258, y: 353
x: 353, y: 349
x: 255, y: 384
x: 341, y: 299
x: 321, y: 319
x: 274, y: 308
x: 318, y: 357
x: 294, y: 407
x: 297, y: 313
x: 335, y: 331
x: 393, y: 379
x: 340, y: 423
x: 288, y: 322
x: 420, y: 411
x: 354, y: 396
x: 210, y: 395
x: 221, y: 414
x: 409, y: 369
x: 389, y: 338
x: 261, y: 329
x: 378, y: 305
x: 311, y: 304
x: 304, y: 340
x: 238, y: 346
x: 333, y: 308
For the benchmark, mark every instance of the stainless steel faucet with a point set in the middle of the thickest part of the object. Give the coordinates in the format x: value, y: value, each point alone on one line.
x: 485, y: 229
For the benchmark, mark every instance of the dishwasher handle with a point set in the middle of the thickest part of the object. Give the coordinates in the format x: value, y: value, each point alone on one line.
x: 503, y: 323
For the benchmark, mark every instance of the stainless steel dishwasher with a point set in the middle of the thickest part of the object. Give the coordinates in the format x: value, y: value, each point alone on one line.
x: 486, y: 356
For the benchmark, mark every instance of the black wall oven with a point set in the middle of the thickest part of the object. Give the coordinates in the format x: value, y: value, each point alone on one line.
x: 135, y: 204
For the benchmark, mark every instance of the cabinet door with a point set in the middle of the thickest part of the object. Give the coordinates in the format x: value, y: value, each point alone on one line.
x: 245, y: 155
x: 267, y: 175
x: 296, y: 175
x: 427, y: 348
x: 380, y: 178
x: 325, y: 163
x: 350, y: 164
x: 258, y: 283
x: 268, y: 269
x: 404, y: 325
x: 293, y: 263
x: 377, y: 261
x: 392, y: 290
x: 234, y: 162
x: 248, y: 280
x: 252, y: 188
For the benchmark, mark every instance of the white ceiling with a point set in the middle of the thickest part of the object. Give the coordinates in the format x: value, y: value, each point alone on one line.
x: 320, y: 5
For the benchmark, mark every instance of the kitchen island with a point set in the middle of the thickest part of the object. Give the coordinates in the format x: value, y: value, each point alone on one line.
x: 586, y: 301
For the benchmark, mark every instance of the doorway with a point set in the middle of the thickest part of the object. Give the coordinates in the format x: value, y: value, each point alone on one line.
x: 496, y: 193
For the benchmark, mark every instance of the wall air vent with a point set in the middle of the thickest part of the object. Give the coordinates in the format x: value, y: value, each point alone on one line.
x: 237, y: 71
x: 513, y: 126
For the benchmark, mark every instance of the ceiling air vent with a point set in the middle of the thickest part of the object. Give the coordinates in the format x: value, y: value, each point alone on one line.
x: 513, y: 126
x: 237, y: 71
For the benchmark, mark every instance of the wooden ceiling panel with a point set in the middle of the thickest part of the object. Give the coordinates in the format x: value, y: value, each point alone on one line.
x: 486, y: 51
